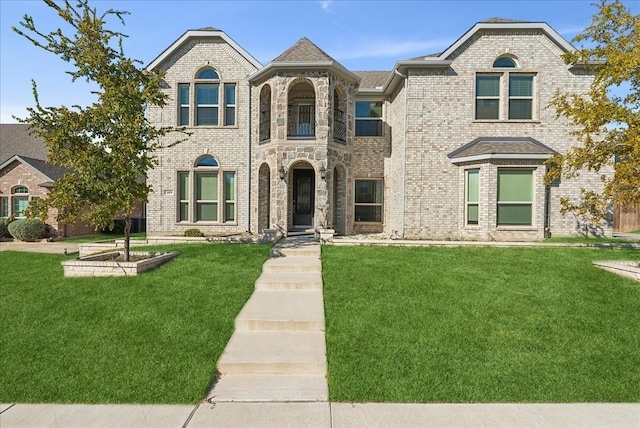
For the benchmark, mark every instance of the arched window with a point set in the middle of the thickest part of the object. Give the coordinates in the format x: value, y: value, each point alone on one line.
x: 504, y: 62
x: 208, y: 73
x: 20, y: 200
x: 206, y: 160
x: 206, y: 193
x: 265, y: 113
x: 302, y: 111
x: 207, y: 98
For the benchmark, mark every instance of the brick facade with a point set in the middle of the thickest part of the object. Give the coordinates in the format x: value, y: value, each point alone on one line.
x: 429, y: 112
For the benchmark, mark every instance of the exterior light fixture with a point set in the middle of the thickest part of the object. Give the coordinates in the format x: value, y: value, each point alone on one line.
x: 323, y: 172
x: 282, y: 172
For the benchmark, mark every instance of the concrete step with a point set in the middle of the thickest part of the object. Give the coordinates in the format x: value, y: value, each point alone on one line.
x: 293, y: 264
x: 275, y: 352
x: 309, y: 250
x: 297, y: 310
x: 270, y: 388
x: 289, y: 281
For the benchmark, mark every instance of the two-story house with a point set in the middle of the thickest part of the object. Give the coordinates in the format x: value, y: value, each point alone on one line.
x: 445, y: 146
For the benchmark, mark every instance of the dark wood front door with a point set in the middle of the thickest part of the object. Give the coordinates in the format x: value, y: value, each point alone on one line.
x: 303, y: 197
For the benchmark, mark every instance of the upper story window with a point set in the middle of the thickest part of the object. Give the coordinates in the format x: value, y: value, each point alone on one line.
x: 369, y: 119
x: 339, y: 115
x: 507, y: 94
x: 207, y: 88
x: 265, y: 113
x: 301, y: 111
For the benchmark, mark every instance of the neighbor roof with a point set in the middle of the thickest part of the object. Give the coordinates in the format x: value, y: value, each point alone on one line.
x: 49, y: 172
x: 501, y: 148
x: 15, y: 139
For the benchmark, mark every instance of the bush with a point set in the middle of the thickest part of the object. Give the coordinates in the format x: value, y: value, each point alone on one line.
x: 4, y: 231
x: 118, y: 228
x: 193, y: 233
x: 27, y: 230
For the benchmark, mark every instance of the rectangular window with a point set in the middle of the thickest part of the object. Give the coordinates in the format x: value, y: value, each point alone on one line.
x: 20, y: 204
x: 368, y: 204
x: 230, y: 104
x: 184, y: 105
x: 515, y: 197
x: 472, y: 198
x: 183, y: 196
x: 206, y: 196
x: 369, y: 118
x: 229, y: 196
x: 4, y: 206
x: 520, y: 96
x: 487, y: 97
x: 207, y: 96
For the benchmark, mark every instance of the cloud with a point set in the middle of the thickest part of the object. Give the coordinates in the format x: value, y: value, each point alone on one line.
x: 324, y: 4
x: 8, y: 111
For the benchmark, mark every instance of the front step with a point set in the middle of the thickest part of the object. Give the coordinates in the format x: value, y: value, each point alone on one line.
x: 289, y: 281
x: 275, y: 352
x: 283, y: 310
x: 293, y: 264
x: 270, y: 388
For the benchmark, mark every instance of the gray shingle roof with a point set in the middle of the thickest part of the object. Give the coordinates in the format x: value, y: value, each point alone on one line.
x: 501, y: 145
x: 372, y: 79
x: 16, y: 140
x: 304, y: 51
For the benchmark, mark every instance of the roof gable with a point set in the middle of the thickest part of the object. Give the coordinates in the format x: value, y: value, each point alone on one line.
x: 48, y: 172
x: 304, y: 51
x: 207, y: 32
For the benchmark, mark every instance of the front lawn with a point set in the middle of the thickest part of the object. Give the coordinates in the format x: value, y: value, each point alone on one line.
x: 154, y: 338
x: 480, y: 325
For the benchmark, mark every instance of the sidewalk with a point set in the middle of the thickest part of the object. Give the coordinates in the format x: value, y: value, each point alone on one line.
x: 322, y: 415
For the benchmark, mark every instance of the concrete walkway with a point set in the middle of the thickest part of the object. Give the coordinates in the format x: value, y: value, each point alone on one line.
x: 273, y: 374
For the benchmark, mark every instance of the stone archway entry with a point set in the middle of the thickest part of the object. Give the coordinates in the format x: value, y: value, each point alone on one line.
x: 303, y: 198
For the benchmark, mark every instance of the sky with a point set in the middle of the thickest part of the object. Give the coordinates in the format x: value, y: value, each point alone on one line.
x: 361, y: 35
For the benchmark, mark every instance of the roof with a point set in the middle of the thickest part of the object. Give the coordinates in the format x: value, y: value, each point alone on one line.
x: 206, y: 32
x: 305, y: 55
x: 373, y: 79
x: 304, y: 51
x: 49, y: 172
x: 15, y: 139
x: 501, y: 148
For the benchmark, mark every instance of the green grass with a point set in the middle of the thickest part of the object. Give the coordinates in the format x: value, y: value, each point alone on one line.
x: 480, y: 325
x: 154, y: 338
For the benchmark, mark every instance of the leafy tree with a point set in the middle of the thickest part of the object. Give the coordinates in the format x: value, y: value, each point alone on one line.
x: 608, y: 124
x: 109, y: 145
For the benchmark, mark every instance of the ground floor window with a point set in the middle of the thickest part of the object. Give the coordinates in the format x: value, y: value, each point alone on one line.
x: 515, y: 197
x: 4, y: 206
x: 198, y: 196
x: 472, y: 196
x: 368, y: 200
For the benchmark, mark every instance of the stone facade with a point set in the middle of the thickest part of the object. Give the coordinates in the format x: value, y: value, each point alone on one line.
x: 296, y: 157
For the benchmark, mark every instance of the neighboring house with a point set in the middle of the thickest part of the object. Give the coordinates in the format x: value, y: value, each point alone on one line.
x: 25, y: 175
x: 445, y: 146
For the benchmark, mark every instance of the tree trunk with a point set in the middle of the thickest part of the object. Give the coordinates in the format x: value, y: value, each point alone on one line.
x: 127, y: 236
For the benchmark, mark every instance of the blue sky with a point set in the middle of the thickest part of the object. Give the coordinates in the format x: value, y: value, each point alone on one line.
x: 362, y: 35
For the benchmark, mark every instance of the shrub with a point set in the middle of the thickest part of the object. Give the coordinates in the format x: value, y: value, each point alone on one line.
x: 4, y: 231
x: 27, y: 230
x: 118, y: 228
x: 193, y: 233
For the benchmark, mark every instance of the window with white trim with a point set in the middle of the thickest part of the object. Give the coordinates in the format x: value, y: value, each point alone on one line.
x: 199, y: 193
x: 19, y: 200
x: 472, y: 196
x: 515, y: 197
x: 368, y: 200
x: 214, y: 101
x: 4, y: 206
x: 506, y: 93
x: 369, y: 119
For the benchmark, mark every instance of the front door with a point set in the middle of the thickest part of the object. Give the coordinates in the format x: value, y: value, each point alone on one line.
x: 303, y: 198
